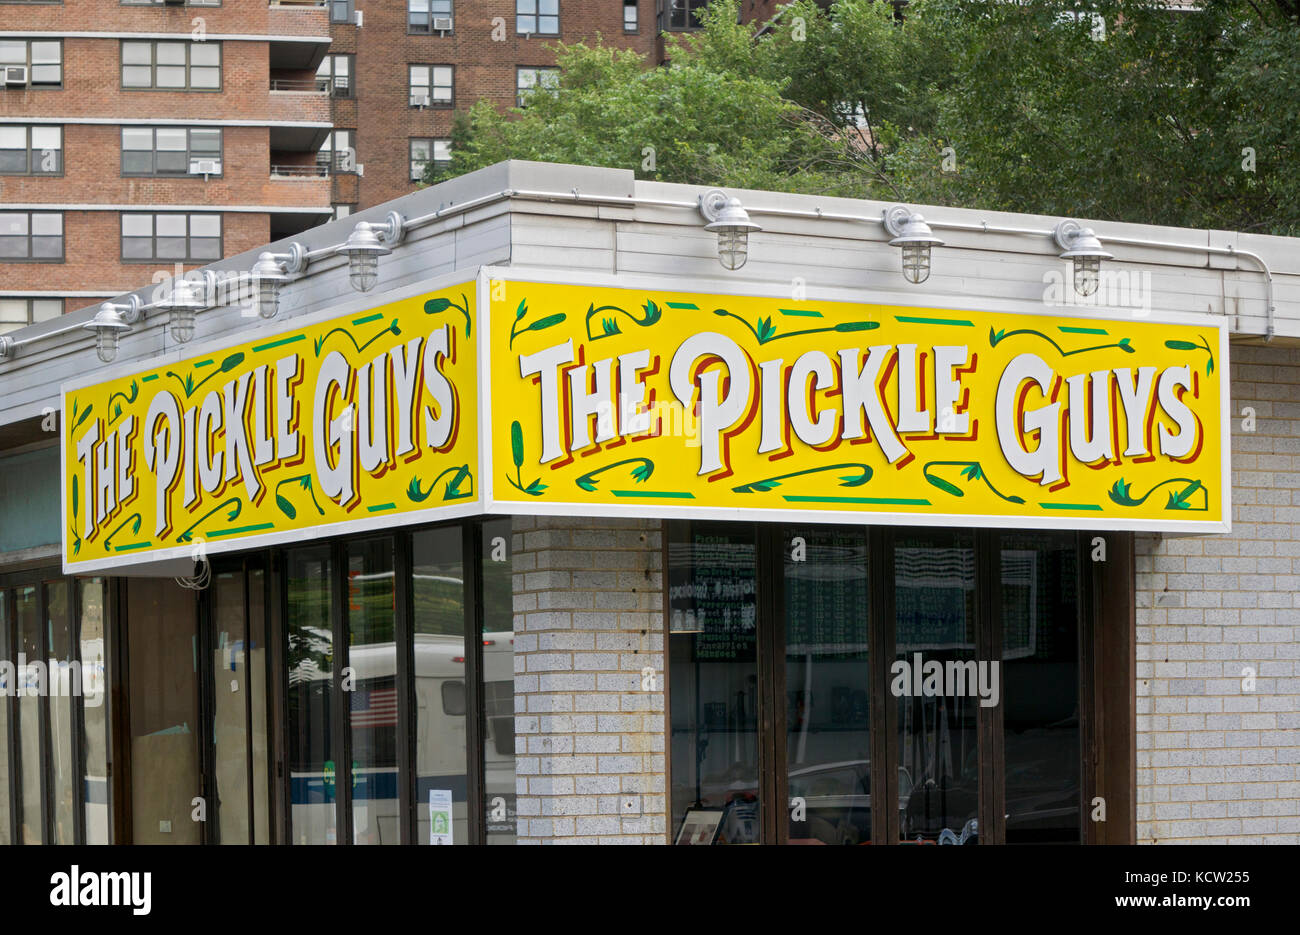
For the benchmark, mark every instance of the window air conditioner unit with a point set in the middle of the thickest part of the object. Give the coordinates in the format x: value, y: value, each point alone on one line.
x: 205, y: 167
x: 341, y: 82
x: 359, y: 17
x: 442, y: 23
x: 420, y: 100
x: 15, y: 74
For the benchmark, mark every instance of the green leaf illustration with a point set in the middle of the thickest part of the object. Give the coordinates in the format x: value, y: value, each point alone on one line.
x: 610, y: 326
x: 76, y: 501
x: 517, y: 443
x: 522, y: 310
x: 415, y: 494
x: 585, y: 484
x: 1119, y: 492
x: 434, y: 306
x: 946, y: 487
x: 765, y: 329
x: 535, y: 488
x: 285, y: 506
x: 642, y: 473
x: 89, y: 409
x: 652, y: 313
x: 1181, y: 346
x: 973, y: 472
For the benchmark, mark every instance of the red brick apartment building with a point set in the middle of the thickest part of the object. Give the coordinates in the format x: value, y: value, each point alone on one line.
x: 158, y: 132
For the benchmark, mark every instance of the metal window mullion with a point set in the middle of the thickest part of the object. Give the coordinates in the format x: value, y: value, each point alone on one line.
x: 43, y: 716
x: 248, y: 703
x: 770, y: 717
x: 988, y: 642
x: 8, y: 640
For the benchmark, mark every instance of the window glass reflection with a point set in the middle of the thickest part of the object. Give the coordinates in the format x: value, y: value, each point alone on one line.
x: 1040, y: 715
x: 713, y: 651
x: 828, y: 735
x: 7, y: 680
x: 938, y: 749
x: 438, y: 591
x: 32, y: 678
x: 62, y: 707
x: 310, y: 647
x: 92, y: 650
x: 372, y: 700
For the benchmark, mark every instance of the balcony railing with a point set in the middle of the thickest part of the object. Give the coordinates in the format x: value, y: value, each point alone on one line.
x: 318, y: 171
x: 338, y: 86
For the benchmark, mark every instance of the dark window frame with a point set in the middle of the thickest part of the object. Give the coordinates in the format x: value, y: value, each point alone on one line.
x: 520, y: 100
x: 43, y: 86
x: 153, y: 151
x: 537, y: 17
x: 188, y: 66
x: 346, y: 7
x: 332, y: 89
x: 689, y: 8
x: 449, y: 104
x: 63, y: 238
x: 430, y: 15
x: 29, y: 127
x: 636, y: 20
x: 29, y: 300
x: 189, y: 255
x: 333, y: 160
x: 432, y: 141
x: 770, y: 551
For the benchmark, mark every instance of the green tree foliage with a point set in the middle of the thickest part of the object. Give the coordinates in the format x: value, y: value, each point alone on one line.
x: 1187, y: 118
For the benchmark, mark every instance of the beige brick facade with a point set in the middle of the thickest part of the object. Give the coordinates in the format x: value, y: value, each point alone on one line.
x: 1217, y: 762
x: 589, y: 717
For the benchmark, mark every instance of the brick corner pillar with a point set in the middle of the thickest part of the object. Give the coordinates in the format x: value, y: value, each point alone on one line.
x: 589, y: 713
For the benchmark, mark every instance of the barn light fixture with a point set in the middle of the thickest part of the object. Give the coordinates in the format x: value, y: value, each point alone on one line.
x: 271, y: 271
x: 366, y: 244
x: 1081, y: 245
x: 109, y: 322
x: 910, y: 232
x: 729, y: 219
x: 186, y: 298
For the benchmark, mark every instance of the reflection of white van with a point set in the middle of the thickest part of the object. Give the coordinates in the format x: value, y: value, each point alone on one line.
x: 440, y: 727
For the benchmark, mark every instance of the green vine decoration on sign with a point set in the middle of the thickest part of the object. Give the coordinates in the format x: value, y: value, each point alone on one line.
x: 287, y: 508
x: 996, y: 337
x: 134, y: 519
x: 129, y: 397
x: 1191, y: 346
x: 390, y: 328
x: 540, y: 324
x: 76, y: 540
x: 1178, y: 500
x: 971, y: 470
x: 227, y: 365
x: 765, y: 331
x: 434, y: 306
x: 639, y: 474
x: 609, y: 326
x: 863, y: 475
x: 188, y: 534
x: 416, y: 494
x: 534, y: 488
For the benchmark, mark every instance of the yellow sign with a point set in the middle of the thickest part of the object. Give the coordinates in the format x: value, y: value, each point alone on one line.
x: 344, y: 424
x: 650, y: 402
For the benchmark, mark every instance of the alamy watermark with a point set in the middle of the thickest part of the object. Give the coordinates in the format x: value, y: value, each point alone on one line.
x: 954, y: 679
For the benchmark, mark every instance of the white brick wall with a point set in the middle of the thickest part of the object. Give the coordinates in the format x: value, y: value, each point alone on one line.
x: 588, y: 618
x: 1215, y: 763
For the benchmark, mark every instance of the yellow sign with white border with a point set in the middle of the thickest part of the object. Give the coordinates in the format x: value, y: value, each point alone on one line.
x: 340, y: 423
x: 610, y: 398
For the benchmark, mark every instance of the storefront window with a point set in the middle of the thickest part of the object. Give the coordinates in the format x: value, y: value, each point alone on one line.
x: 441, y: 710
x: 32, y: 678
x: 310, y: 647
x: 827, y: 679
x: 498, y: 683
x: 229, y: 689
x: 255, y: 653
x: 162, y: 672
x: 938, y: 741
x: 1040, y: 661
x: 62, y: 704
x: 371, y: 692
x: 713, y: 653
x: 94, y: 707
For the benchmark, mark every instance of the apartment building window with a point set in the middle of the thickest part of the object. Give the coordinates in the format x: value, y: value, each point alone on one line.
x: 184, y: 237
x: 41, y: 59
x: 431, y: 85
x: 683, y: 14
x: 528, y: 80
x: 335, y: 75
x: 537, y: 17
x: 425, y: 17
x: 629, y: 16
x: 339, y: 151
x: 31, y: 236
x: 425, y: 150
x: 20, y: 312
x: 170, y: 150
x: 341, y: 11
x: 193, y: 66
x: 31, y: 150
x: 160, y: 2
